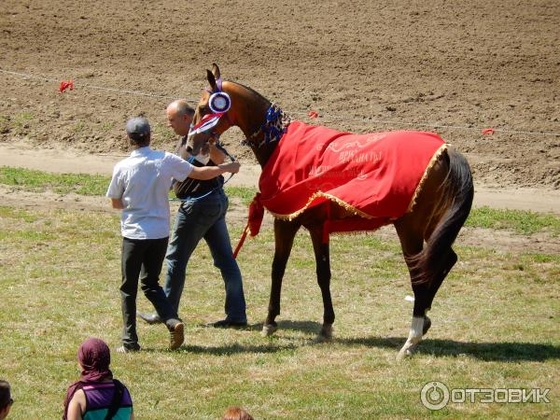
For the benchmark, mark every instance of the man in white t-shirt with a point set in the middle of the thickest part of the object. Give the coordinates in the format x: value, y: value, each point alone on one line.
x: 139, y: 187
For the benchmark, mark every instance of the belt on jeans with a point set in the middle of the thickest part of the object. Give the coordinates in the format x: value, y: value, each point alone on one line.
x: 200, y: 197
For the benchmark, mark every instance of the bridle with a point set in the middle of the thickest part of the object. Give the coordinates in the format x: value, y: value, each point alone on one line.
x: 219, y: 104
x: 272, y: 129
x: 207, y: 125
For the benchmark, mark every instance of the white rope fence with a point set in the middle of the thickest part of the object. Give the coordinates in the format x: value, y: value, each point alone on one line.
x: 86, y: 85
x: 375, y: 121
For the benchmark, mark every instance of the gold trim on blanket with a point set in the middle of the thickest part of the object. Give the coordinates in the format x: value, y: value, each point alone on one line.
x: 433, y: 161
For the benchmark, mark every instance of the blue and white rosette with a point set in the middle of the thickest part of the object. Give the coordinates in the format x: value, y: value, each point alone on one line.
x: 219, y: 102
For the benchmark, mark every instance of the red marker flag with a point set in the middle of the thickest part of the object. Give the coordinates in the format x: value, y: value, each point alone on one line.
x: 313, y: 114
x: 66, y: 84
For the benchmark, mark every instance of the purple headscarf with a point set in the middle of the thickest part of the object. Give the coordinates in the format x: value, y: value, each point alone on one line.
x: 94, y: 357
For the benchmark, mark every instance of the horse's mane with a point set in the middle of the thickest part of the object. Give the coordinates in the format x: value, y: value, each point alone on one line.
x: 253, y: 91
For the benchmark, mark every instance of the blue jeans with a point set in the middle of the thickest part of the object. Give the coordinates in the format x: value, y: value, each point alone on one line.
x: 197, y: 219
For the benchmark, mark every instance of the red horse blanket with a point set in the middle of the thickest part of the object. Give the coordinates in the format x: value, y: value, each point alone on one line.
x: 375, y: 176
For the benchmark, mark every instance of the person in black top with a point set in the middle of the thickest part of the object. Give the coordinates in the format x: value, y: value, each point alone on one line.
x: 201, y: 215
x: 6, y: 399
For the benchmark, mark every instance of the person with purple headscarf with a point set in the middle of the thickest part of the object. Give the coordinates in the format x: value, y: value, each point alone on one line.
x: 97, y: 395
x: 6, y: 400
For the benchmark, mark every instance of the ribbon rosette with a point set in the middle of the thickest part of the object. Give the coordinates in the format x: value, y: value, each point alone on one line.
x: 207, y: 122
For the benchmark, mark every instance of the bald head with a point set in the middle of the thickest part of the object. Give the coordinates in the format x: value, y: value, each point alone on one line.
x: 179, y: 116
x: 181, y: 107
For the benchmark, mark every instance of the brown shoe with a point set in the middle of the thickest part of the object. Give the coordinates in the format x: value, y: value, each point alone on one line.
x: 176, y: 336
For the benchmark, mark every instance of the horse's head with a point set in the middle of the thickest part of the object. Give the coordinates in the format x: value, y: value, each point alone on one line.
x: 212, y: 114
x: 225, y: 104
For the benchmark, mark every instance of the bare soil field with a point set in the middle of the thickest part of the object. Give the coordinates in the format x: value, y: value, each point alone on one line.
x: 483, y: 74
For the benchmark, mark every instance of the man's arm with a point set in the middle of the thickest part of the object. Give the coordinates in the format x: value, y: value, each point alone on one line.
x: 209, y: 172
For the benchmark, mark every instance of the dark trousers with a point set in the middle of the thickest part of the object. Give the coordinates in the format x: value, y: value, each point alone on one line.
x: 141, y: 259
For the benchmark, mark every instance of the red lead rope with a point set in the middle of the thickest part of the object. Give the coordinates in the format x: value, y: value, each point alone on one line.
x: 241, y: 241
x: 256, y: 214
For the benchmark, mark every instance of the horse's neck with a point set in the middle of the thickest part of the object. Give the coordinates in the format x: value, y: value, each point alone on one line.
x: 254, y: 131
x: 252, y: 120
x: 263, y: 154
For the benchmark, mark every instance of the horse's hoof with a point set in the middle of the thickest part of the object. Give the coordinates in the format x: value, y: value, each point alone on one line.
x: 406, y: 351
x: 327, y: 332
x: 325, y: 335
x: 268, y: 330
x: 427, y: 325
x: 403, y: 354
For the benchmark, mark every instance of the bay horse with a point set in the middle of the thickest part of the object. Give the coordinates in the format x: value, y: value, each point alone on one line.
x: 427, y: 205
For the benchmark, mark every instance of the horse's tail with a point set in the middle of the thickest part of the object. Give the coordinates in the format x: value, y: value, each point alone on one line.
x: 457, y: 191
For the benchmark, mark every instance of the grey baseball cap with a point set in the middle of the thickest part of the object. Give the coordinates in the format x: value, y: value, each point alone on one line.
x: 137, y: 128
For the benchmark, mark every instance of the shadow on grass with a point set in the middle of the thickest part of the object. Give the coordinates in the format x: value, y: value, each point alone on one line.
x: 267, y: 346
x: 231, y: 349
x: 491, y: 352
x: 302, y: 326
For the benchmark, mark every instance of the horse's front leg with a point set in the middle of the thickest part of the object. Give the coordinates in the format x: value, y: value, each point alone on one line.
x: 284, y: 234
x: 320, y: 241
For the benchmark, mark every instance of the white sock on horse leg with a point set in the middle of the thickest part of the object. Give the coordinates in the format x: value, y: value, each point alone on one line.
x: 414, y: 337
x: 416, y: 326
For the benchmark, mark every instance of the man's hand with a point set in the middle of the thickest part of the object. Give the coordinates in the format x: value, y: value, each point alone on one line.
x: 232, y: 167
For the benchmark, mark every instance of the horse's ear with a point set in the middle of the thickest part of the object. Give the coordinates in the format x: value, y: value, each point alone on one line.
x: 216, y: 70
x: 211, y: 80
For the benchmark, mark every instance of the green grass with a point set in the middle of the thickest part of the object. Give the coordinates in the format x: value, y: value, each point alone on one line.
x: 22, y: 122
x: 495, y: 325
x: 524, y: 222
x: 38, y: 181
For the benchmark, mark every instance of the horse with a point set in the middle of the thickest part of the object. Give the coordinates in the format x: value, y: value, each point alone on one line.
x: 427, y: 218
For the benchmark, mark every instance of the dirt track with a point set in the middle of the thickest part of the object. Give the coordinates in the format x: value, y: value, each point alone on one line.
x: 452, y: 67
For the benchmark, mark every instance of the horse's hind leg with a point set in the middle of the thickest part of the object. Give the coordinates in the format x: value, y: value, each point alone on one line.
x: 412, y: 235
x: 426, y: 299
x: 412, y: 242
x: 424, y: 294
